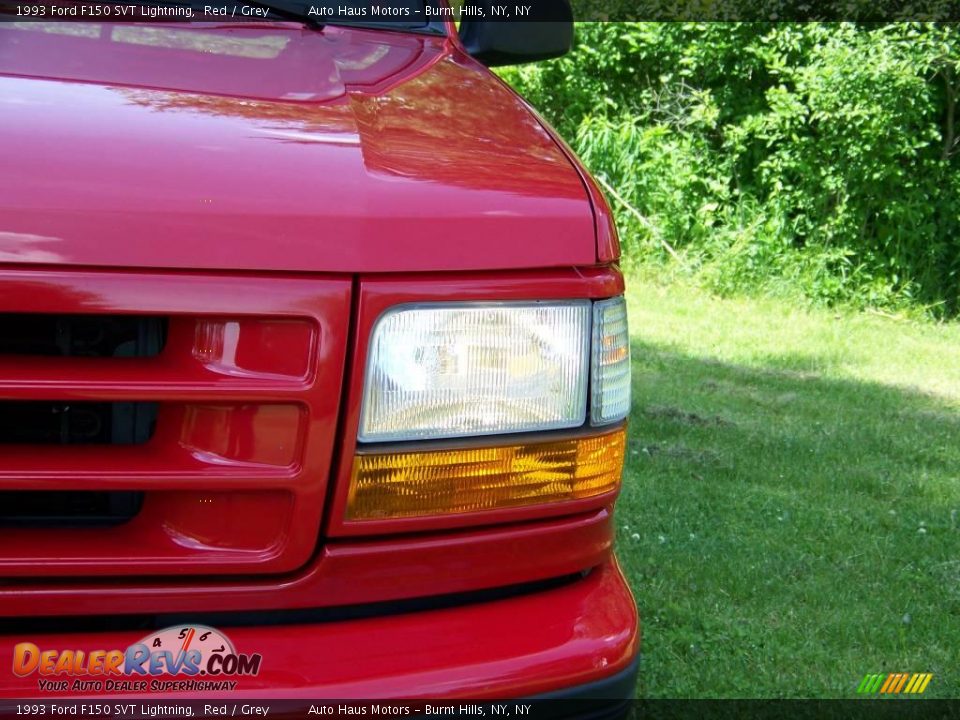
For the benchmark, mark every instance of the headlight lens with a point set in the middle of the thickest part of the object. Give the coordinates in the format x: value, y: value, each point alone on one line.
x: 476, y: 369
x: 610, y: 364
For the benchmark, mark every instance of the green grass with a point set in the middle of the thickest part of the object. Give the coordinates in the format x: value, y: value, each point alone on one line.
x: 790, y: 518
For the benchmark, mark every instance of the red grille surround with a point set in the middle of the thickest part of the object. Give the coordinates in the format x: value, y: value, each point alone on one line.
x: 235, y: 474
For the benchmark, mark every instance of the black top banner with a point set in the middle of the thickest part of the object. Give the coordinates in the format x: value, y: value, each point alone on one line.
x: 429, y: 15
x: 766, y: 10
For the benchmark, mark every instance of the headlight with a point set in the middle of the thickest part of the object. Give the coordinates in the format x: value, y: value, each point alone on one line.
x: 442, y: 371
x: 610, y: 364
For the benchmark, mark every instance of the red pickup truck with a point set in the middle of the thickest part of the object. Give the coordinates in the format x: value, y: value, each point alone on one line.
x: 314, y: 366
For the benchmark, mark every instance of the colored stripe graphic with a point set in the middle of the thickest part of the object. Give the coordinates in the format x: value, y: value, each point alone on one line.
x: 888, y: 683
x: 900, y: 683
x: 894, y: 683
x: 870, y: 683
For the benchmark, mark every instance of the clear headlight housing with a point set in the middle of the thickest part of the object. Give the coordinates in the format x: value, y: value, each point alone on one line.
x: 610, y: 364
x: 444, y: 371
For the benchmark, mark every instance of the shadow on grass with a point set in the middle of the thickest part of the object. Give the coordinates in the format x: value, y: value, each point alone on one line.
x: 786, y: 533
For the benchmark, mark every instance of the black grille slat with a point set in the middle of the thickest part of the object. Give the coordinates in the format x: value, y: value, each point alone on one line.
x: 35, y: 422
x: 57, y: 509
x: 37, y: 334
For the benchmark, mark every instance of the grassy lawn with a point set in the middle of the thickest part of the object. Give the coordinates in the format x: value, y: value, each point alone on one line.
x: 790, y: 519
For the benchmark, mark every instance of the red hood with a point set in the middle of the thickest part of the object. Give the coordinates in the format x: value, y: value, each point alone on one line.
x: 273, y: 148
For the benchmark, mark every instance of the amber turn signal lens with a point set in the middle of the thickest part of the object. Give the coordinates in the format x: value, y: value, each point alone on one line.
x: 441, y: 482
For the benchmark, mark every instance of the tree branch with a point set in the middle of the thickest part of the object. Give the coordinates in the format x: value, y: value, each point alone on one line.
x: 950, y: 139
x: 655, y: 231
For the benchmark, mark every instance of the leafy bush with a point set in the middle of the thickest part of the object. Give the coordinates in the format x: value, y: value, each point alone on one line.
x: 819, y: 159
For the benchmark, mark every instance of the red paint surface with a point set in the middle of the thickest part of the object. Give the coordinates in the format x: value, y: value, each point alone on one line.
x: 529, y: 644
x: 272, y: 189
x: 345, y: 573
x: 274, y: 148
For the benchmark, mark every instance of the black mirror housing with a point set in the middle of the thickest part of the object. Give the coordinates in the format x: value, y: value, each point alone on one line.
x: 547, y: 32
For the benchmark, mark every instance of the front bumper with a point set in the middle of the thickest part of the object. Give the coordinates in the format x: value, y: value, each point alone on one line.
x: 577, y: 635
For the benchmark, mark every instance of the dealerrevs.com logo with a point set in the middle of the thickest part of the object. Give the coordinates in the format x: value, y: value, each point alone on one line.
x: 182, y: 658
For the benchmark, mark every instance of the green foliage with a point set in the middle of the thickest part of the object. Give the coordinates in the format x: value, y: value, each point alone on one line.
x: 812, y: 159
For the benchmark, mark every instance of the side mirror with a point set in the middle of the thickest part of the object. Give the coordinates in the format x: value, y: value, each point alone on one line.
x: 545, y: 32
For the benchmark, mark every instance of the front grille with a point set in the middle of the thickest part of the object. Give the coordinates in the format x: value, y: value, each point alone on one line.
x: 39, y: 509
x: 157, y: 424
